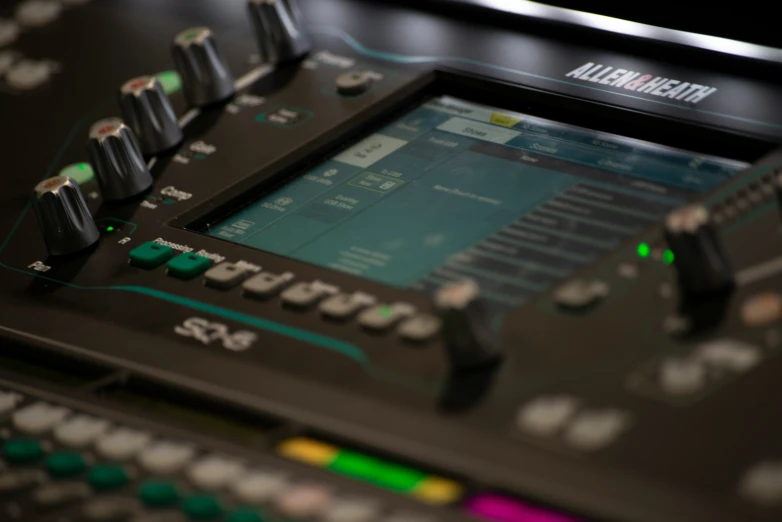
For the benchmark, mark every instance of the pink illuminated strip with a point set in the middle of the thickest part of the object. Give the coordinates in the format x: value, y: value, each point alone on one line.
x: 503, y: 509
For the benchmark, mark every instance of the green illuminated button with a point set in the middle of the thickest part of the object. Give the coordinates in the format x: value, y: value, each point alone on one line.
x: 158, y: 493
x: 81, y: 172
x: 245, y: 515
x: 383, y: 474
x: 202, y: 507
x: 150, y: 255
x: 170, y: 80
x: 187, y: 266
x: 103, y: 478
x: 65, y: 464
x: 22, y: 451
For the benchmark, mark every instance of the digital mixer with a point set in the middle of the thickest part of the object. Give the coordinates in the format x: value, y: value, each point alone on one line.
x: 386, y: 261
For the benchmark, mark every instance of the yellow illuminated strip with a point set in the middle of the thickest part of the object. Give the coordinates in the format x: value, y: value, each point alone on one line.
x: 308, y: 451
x: 438, y: 491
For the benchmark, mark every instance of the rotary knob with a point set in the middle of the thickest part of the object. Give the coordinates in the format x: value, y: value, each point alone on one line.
x: 467, y: 333
x: 63, y: 216
x: 148, y: 112
x: 206, y: 78
x: 701, y: 261
x: 116, y: 157
x: 278, y: 30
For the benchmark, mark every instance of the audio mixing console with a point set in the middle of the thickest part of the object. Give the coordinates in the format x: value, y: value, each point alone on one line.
x: 385, y: 261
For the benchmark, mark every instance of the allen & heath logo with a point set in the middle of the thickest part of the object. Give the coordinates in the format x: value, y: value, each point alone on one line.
x: 643, y: 83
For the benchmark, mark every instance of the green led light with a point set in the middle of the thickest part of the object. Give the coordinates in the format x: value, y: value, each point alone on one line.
x: 109, y: 229
x: 668, y: 257
x: 170, y: 80
x: 80, y: 172
x: 386, y: 311
x: 644, y: 250
x: 82, y: 166
x: 376, y: 471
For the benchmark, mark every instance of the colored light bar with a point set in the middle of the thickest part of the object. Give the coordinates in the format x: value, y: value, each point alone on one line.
x: 427, y: 488
x: 498, y: 508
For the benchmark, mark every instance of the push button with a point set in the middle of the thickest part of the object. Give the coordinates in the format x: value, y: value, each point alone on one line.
x: 259, y: 487
x: 150, y: 255
x: 8, y: 401
x: 202, y: 507
x: 81, y: 173
x: 60, y: 493
x: 385, y: 316
x: 80, y: 431
x: 305, y: 295
x: 65, y: 464
x: 165, y: 458
x: 109, y: 509
x: 350, y: 510
x: 580, y: 294
x: 26, y: 75
x: 354, y: 83
x: 37, y: 13
x: 187, y: 266
x: 303, y: 501
x: 265, y: 285
x: 225, y: 276
x: 39, y: 418
x: 104, y: 478
x: 158, y: 493
x: 122, y: 444
x: 345, y: 306
x: 420, y: 328
x: 213, y: 473
x: 9, y: 32
x: 17, y: 481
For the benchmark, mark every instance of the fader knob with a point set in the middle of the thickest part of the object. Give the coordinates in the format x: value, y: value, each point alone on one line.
x: 700, y: 260
x: 63, y: 216
x: 206, y: 78
x: 117, y: 160
x: 467, y: 332
x: 148, y: 112
x: 279, y: 30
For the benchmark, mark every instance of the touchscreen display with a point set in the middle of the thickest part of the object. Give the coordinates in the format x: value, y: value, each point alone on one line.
x: 455, y: 190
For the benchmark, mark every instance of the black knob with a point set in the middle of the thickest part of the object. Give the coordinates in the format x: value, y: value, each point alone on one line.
x: 206, y: 78
x: 63, y: 216
x: 699, y: 258
x: 149, y: 114
x: 279, y: 30
x: 466, y: 327
x: 116, y: 157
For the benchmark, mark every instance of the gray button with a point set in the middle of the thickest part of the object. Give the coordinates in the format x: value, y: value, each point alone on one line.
x: 304, y: 295
x: 37, y: 13
x: 165, y: 458
x: 419, y: 328
x: 545, y: 416
x: 7, y: 58
x: 27, y: 75
x: 225, y: 276
x: 39, y: 418
x: 682, y: 376
x: 122, y: 444
x: 595, y: 429
x: 80, y: 431
x: 9, y: 32
x: 60, y: 493
x: 345, y: 306
x: 259, y: 487
x: 352, y: 510
x: 109, y: 509
x: 383, y: 317
x: 17, y: 481
x: 729, y: 354
x: 213, y: 473
x: 762, y: 484
x: 8, y: 401
x: 354, y: 83
x: 166, y: 516
x: 266, y: 285
x: 580, y: 293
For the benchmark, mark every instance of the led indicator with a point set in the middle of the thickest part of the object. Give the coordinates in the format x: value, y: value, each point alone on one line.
x: 644, y: 250
x: 170, y: 80
x: 386, y: 311
x: 109, y: 229
x: 81, y: 166
x: 668, y: 257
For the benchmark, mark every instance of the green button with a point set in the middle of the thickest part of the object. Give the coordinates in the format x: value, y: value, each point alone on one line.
x: 81, y: 172
x: 187, y: 266
x: 245, y: 515
x: 150, y: 255
x: 202, y: 507
x: 65, y: 464
x: 104, y: 478
x: 158, y: 493
x: 22, y: 451
x: 170, y: 80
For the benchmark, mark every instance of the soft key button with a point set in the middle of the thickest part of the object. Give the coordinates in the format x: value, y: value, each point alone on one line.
x: 345, y: 306
x: 7, y: 58
x: 37, y: 13
x: 9, y: 32
x: 39, y: 418
x: 8, y: 401
x: 305, y: 295
x: 225, y: 276
x: 352, y: 510
x: 165, y: 458
x: 303, y: 501
x: 762, y: 484
x: 383, y: 317
x: 258, y: 487
x: 420, y: 328
x: 122, y: 444
x: 80, y: 431
x: 26, y: 75
x: 213, y: 473
x: 265, y: 285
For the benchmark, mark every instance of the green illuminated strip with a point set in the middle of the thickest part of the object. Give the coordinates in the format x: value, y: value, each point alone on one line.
x: 376, y: 471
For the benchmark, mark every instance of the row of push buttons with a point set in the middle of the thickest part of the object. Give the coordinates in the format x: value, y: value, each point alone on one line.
x: 303, y: 295
x: 222, y: 488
